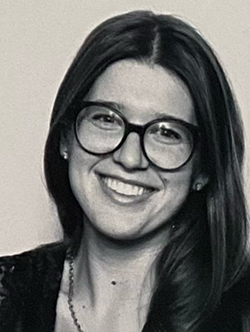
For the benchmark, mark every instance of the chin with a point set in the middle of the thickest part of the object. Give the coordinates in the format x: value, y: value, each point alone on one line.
x: 129, y: 235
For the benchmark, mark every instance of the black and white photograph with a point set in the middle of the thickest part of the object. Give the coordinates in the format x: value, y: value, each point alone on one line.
x: 124, y: 166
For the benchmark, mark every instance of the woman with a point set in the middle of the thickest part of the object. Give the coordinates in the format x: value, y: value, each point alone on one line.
x: 144, y: 162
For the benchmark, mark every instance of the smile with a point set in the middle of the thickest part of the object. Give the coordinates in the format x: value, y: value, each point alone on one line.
x: 123, y: 188
x: 125, y: 192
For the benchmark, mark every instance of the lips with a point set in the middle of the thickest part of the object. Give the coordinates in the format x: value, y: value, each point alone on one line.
x: 124, y: 188
x: 125, y: 191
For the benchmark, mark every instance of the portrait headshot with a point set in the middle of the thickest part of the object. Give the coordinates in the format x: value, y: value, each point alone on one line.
x: 125, y: 166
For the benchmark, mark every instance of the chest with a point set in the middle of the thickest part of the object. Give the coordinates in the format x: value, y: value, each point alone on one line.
x: 117, y: 319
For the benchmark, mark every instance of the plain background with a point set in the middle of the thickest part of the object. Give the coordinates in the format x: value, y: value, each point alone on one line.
x: 38, y: 40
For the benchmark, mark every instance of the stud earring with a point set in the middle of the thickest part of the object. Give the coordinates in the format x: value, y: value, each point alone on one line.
x: 65, y: 155
x: 198, y: 186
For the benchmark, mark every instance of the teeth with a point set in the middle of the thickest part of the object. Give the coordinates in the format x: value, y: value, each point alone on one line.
x: 124, y: 188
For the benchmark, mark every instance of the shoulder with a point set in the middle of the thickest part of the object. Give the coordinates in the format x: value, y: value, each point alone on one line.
x: 233, y: 312
x: 27, y: 277
x: 50, y: 254
x: 32, y: 262
x: 239, y: 299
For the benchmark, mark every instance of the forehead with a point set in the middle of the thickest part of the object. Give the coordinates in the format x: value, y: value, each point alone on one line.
x: 143, y: 92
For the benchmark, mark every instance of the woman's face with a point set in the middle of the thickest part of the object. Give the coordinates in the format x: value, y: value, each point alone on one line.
x: 112, y: 189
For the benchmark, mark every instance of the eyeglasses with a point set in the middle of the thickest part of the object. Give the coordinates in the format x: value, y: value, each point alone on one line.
x: 167, y: 143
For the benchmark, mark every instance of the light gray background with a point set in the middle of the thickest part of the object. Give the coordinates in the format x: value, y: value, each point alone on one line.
x: 38, y: 40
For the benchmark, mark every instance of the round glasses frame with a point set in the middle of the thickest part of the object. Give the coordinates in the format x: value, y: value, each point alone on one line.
x: 140, y: 130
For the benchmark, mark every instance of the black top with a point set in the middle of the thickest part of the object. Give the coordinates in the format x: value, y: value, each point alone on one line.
x: 29, y: 287
x: 30, y: 283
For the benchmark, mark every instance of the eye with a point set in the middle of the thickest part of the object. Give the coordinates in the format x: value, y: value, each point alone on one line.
x: 104, y: 119
x: 169, y: 134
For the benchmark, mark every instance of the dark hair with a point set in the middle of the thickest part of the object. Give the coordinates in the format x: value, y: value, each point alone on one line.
x: 207, y: 252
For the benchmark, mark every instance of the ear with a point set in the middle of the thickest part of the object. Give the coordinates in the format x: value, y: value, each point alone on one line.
x: 64, y: 147
x: 200, y: 181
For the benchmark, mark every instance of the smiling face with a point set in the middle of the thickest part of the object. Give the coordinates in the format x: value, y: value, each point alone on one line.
x: 122, y: 194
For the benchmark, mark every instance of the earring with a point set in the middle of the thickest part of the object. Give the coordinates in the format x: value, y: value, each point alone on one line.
x: 198, y: 186
x: 65, y: 155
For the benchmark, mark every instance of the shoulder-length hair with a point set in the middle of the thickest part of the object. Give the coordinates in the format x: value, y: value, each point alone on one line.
x: 208, y: 249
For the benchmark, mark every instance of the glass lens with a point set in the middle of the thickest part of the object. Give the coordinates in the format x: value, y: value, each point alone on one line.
x: 168, y: 144
x: 99, y: 129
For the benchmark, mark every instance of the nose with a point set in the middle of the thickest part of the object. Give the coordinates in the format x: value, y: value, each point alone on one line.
x: 130, y: 154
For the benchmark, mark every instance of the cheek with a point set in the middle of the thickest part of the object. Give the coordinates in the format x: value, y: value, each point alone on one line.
x: 177, y: 187
x: 80, y: 165
x: 180, y: 180
x: 80, y: 161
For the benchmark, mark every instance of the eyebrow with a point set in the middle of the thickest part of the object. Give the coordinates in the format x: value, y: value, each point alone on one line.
x: 158, y: 115
x: 112, y: 104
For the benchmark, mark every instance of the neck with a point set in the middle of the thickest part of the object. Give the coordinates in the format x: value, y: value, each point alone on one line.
x: 115, y: 272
